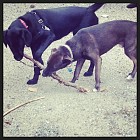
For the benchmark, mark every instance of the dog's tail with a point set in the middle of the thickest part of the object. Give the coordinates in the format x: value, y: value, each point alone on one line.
x: 131, y: 5
x: 95, y: 6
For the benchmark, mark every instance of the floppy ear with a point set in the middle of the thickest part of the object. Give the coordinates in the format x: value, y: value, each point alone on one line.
x: 5, y: 38
x: 67, y: 59
x: 26, y: 36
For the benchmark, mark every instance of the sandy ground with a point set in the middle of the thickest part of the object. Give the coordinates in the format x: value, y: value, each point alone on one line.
x: 64, y: 111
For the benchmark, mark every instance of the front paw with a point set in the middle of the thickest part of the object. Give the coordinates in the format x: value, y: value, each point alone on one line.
x: 129, y: 77
x: 32, y: 82
x: 97, y: 88
x: 88, y: 73
x: 73, y: 80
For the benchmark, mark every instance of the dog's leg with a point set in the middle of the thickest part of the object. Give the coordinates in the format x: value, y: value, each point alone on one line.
x: 37, y: 53
x: 97, y: 63
x: 37, y: 70
x: 132, y: 56
x: 34, y: 80
x: 130, y: 51
x: 78, y: 68
x: 90, y: 69
x: 89, y: 19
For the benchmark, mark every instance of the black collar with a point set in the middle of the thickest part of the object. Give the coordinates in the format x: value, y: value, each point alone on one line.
x: 40, y: 21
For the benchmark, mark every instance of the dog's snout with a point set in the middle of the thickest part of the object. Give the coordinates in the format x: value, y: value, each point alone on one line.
x: 18, y: 58
x: 45, y: 73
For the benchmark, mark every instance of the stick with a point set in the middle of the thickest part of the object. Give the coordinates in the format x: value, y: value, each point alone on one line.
x: 12, y: 109
x: 60, y: 80
x: 55, y: 76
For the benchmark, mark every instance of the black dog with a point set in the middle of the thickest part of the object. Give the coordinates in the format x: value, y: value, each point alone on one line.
x: 39, y: 28
x: 90, y: 43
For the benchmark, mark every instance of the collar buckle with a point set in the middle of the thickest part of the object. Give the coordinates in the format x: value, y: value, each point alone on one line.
x: 40, y: 21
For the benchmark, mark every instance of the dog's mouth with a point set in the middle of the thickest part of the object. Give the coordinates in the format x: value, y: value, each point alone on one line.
x: 47, y: 74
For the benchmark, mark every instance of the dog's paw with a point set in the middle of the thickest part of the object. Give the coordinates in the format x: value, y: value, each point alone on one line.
x: 129, y: 77
x: 72, y: 81
x: 95, y: 90
x: 32, y: 82
x: 88, y: 74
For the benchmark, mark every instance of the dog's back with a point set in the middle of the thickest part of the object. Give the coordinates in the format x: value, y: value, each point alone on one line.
x: 106, y: 35
x: 91, y: 42
x: 79, y: 17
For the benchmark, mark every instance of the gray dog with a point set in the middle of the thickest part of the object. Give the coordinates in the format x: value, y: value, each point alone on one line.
x: 90, y: 43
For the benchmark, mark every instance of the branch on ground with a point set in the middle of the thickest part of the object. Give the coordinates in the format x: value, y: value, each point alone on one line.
x: 55, y: 76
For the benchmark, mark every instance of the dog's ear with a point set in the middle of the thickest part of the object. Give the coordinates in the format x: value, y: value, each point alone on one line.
x: 5, y: 38
x: 67, y: 59
x: 26, y: 36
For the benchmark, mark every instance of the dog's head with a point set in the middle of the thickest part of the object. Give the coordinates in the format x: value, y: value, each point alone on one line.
x: 16, y: 38
x: 56, y: 61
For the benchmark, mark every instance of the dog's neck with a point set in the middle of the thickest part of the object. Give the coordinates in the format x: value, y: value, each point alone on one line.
x: 23, y: 23
x: 69, y: 49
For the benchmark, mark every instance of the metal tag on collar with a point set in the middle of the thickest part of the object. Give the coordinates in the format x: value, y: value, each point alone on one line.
x: 46, y: 28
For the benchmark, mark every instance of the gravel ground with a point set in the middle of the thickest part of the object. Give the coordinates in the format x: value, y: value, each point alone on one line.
x: 64, y: 111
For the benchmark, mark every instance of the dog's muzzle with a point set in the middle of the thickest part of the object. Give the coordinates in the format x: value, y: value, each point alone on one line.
x: 45, y: 74
x: 18, y: 58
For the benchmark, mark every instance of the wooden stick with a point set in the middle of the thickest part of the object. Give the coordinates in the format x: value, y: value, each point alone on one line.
x: 34, y: 61
x: 55, y: 76
x: 12, y: 109
x: 61, y: 81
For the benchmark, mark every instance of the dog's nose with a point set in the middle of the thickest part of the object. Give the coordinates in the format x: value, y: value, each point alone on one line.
x: 45, y: 74
x: 18, y: 58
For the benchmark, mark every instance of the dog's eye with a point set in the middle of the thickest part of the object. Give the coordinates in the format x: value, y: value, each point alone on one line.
x: 57, y: 65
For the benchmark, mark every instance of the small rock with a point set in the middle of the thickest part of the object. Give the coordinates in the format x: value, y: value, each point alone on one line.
x: 31, y: 89
x: 105, y: 16
x: 32, y: 6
